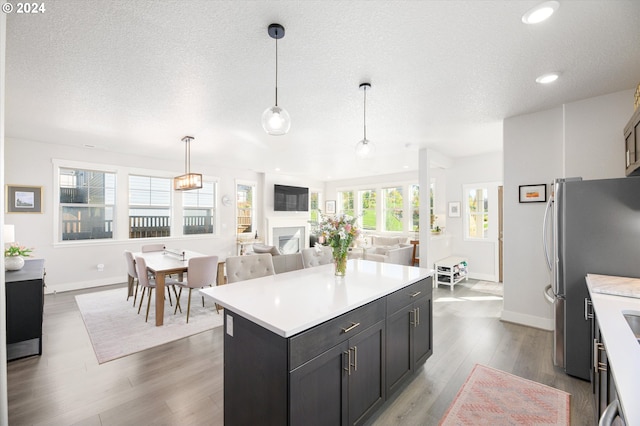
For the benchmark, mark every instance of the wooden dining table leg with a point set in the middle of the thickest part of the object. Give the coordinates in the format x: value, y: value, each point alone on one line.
x: 159, y: 298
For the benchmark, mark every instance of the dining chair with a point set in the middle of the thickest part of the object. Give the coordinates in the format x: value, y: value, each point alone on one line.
x: 153, y: 247
x: 147, y: 282
x: 201, y: 272
x: 147, y: 248
x: 316, y: 256
x: 240, y: 268
x: 132, y: 275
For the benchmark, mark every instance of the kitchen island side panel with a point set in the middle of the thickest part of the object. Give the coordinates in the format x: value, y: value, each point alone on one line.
x: 255, y: 374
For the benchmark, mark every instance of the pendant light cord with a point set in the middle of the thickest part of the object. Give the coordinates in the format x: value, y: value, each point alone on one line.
x: 276, y: 72
x: 365, y: 116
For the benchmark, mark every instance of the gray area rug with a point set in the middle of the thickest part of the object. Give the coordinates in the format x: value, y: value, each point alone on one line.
x: 116, y: 329
x: 488, y: 287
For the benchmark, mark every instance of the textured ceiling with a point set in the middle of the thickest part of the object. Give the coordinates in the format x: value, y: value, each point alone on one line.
x: 136, y: 76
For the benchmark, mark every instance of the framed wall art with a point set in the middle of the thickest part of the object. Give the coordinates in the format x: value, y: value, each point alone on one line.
x: 454, y: 209
x: 23, y: 199
x: 330, y: 206
x: 533, y: 193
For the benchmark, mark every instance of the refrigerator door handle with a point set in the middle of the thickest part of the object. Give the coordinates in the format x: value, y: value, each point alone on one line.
x: 545, y: 232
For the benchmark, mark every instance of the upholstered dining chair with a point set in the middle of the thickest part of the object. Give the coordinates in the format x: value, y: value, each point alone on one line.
x: 132, y: 275
x: 202, y: 272
x: 153, y: 247
x: 240, y: 268
x: 316, y: 256
x: 149, y: 283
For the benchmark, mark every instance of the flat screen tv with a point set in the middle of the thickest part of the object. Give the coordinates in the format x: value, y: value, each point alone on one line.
x: 290, y: 198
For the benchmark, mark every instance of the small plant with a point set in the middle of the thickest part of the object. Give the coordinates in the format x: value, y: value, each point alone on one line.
x: 17, y: 250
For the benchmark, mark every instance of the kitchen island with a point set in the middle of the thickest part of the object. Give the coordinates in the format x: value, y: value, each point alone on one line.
x: 305, y: 347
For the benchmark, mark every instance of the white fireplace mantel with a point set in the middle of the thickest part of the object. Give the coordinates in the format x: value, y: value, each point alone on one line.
x: 274, y: 222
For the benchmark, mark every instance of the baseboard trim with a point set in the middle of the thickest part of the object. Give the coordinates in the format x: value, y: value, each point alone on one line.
x: 528, y: 320
x: 483, y: 277
x: 81, y: 285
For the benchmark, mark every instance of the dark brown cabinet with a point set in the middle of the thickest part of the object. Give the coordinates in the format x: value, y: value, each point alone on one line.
x: 332, y: 374
x: 409, y: 332
x: 25, y: 302
x: 602, y: 381
x: 632, y: 145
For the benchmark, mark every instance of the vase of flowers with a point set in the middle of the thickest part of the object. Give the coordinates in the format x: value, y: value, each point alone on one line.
x: 339, y: 232
x: 14, y: 257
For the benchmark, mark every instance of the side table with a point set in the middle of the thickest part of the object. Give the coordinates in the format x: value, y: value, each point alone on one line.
x: 25, y: 304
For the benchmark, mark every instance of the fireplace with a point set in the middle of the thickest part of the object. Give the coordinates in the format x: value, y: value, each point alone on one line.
x: 289, y: 239
x: 289, y: 234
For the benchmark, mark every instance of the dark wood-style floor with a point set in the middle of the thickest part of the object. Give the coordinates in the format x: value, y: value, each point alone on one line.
x: 181, y: 383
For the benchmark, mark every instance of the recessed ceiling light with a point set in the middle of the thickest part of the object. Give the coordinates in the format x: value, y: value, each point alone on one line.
x: 541, y: 12
x: 548, y: 78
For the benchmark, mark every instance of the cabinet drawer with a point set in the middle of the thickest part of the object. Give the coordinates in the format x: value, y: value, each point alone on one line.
x: 407, y: 295
x: 310, y: 343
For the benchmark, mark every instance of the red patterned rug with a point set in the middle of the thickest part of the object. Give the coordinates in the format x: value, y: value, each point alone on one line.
x: 493, y: 397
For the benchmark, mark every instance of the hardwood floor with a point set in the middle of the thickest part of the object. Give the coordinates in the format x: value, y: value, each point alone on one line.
x: 181, y: 383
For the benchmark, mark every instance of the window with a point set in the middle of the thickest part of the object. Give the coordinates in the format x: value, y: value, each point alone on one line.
x: 347, y: 203
x: 199, y: 210
x: 149, y: 207
x: 414, y: 190
x: 392, y: 209
x: 314, y: 203
x: 245, y: 194
x: 367, y: 199
x: 87, y: 201
x: 477, y: 212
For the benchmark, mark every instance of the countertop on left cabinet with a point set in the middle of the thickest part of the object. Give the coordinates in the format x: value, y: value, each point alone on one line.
x: 25, y: 303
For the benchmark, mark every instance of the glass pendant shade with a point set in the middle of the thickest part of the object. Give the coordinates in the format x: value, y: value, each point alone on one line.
x: 276, y: 121
x: 365, y: 149
x: 187, y: 182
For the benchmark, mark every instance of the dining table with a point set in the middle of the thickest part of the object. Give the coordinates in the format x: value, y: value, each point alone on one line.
x: 164, y: 263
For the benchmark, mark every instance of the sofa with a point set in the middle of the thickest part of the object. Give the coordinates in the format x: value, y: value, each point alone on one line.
x: 390, y: 250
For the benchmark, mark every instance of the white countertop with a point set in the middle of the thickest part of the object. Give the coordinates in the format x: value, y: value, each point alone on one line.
x: 623, y: 350
x: 289, y: 303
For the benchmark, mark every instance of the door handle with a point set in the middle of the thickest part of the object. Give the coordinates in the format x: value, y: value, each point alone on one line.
x: 355, y: 358
x: 587, y: 315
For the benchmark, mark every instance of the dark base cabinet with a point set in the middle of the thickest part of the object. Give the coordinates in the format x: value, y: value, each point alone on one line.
x: 335, y: 373
x: 25, y: 302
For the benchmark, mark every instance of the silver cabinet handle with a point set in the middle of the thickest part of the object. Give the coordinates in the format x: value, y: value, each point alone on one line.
x: 587, y: 315
x: 355, y: 358
x: 412, y: 320
x: 417, y: 317
x: 347, y: 355
x: 353, y: 325
x: 415, y: 294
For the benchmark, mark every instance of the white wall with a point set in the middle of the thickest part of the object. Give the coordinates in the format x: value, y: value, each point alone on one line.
x: 486, y: 169
x: 581, y: 138
x: 73, y: 265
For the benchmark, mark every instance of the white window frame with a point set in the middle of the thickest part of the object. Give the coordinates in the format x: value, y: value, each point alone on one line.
x: 254, y: 212
x: 492, y: 211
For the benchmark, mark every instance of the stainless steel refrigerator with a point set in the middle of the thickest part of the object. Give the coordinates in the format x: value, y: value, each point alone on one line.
x: 590, y: 227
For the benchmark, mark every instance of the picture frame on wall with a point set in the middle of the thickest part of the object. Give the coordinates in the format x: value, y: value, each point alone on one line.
x: 330, y: 206
x: 533, y: 193
x: 23, y: 199
x: 454, y: 209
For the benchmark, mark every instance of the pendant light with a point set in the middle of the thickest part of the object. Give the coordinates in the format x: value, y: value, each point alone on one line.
x: 188, y: 180
x: 276, y: 120
x: 365, y: 148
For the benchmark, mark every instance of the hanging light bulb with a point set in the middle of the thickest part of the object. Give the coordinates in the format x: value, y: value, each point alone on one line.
x: 276, y: 120
x: 365, y: 148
